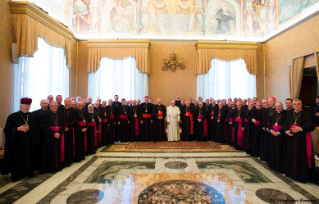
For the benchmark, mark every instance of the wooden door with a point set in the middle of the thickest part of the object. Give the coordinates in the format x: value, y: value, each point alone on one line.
x: 308, y: 92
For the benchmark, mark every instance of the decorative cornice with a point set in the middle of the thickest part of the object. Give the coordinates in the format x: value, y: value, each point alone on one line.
x: 25, y: 7
x: 226, y: 45
x: 119, y: 43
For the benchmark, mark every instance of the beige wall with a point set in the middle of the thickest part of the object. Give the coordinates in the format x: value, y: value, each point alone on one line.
x: 260, y: 72
x: 83, y: 78
x: 6, y: 65
x: 166, y: 84
x: 299, y: 41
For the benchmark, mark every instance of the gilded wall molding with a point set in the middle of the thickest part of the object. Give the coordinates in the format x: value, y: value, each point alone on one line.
x: 119, y: 43
x: 226, y: 45
x: 25, y: 7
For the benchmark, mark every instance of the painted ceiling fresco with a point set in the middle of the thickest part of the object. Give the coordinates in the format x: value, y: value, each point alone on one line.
x: 254, y: 20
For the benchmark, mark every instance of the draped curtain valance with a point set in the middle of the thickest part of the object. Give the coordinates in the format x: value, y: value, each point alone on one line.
x: 119, y: 49
x: 29, y: 23
x: 225, y: 51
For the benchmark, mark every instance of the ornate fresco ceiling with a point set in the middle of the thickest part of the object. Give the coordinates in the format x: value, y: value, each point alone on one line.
x: 239, y: 20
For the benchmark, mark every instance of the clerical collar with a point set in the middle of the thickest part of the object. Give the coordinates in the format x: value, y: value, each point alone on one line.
x: 278, y: 111
x: 44, y: 109
x: 289, y: 109
x: 273, y: 107
x: 298, y: 111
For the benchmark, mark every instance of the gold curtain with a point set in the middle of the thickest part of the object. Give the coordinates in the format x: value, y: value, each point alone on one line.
x: 27, y: 30
x: 295, y: 77
x: 204, y: 58
x: 140, y: 54
x: 317, y: 63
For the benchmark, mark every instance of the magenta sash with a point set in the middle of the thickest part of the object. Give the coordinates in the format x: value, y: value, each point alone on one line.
x: 91, y: 124
x: 276, y: 128
x: 257, y: 122
x: 82, y: 124
x: 309, y: 145
x: 240, y: 132
x: 230, y: 120
x: 246, y: 121
x: 56, y: 129
x: 105, y: 120
x: 125, y: 117
x: 204, y: 124
x: 137, y: 130
x: 212, y: 115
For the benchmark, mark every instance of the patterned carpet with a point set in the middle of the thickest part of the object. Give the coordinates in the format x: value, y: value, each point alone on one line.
x: 180, y: 146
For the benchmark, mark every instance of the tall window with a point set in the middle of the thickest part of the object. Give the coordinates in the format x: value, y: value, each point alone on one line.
x: 226, y: 79
x: 39, y: 76
x: 119, y: 77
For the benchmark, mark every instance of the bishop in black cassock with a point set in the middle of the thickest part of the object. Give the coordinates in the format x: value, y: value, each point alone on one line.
x: 134, y: 128
x: 39, y: 146
x: 145, y: 120
x: 201, y: 123
x: 158, y: 115
x: 80, y: 131
x: 187, y: 118
x: 53, y: 148
x: 220, y: 116
x: 21, y: 136
x: 122, y: 122
x: 300, y: 164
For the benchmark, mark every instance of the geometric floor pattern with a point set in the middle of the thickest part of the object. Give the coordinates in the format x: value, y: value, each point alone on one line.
x: 141, y: 177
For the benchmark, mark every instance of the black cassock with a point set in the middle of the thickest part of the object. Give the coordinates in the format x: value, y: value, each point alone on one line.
x: 300, y: 164
x: 19, y: 154
x: 277, y: 144
x: 123, y: 126
x: 266, y: 137
x: 211, y: 122
x: 115, y: 106
x: 69, y: 140
x: 79, y: 136
x: 247, y: 124
x: 187, y: 118
x: 264, y: 133
x: 91, y: 133
x: 104, y: 125
x: 39, y: 146
x: 196, y: 108
x: 237, y: 125
x: 110, y: 110
x: 146, y: 117
x: 158, y: 124
x: 230, y: 130
x: 98, y: 113
x: 134, y: 129
x: 256, y: 132
x: 201, y: 127
x: 53, y: 148
x: 220, y: 126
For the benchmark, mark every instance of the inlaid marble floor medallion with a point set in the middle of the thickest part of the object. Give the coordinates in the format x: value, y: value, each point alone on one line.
x: 176, y: 165
x: 274, y: 196
x: 180, y: 191
x: 88, y: 196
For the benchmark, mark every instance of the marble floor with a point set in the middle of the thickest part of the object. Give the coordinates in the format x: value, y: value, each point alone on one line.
x: 146, y: 177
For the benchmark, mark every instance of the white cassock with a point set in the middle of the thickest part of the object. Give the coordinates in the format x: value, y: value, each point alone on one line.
x: 173, y: 116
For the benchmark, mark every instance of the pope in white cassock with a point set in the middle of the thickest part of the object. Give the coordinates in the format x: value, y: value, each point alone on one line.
x: 173, y: 118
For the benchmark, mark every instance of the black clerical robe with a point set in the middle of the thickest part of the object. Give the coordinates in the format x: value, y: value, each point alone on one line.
x: 266, y: 138
x: 256, y: 132
x: 91, y: 133
x: 69, y: 138
x: 110, y: 110
x: 98, y: 113
x: 211, y: 122
x: 80, y: 135
x: 219, y: 117
x: 264, y: 133
x: 201, y: 126
x: 134, y: 128
x: 177, y: 103
x: 300, y: 164
x: 146, y: 125
x: 196, y: 108
x: 19, y: 154
x: 277, y: 144
x: 104, y: 125
x: 238, y: 116
x: 159, y: 111
x: 122, y: 118
x: 39, y: 146
x: 247, y: 124
x: 187, y: 118
x: 116, y: 105
x: 230, y: 130
x: 316, y: 110
x: 53, y: 148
